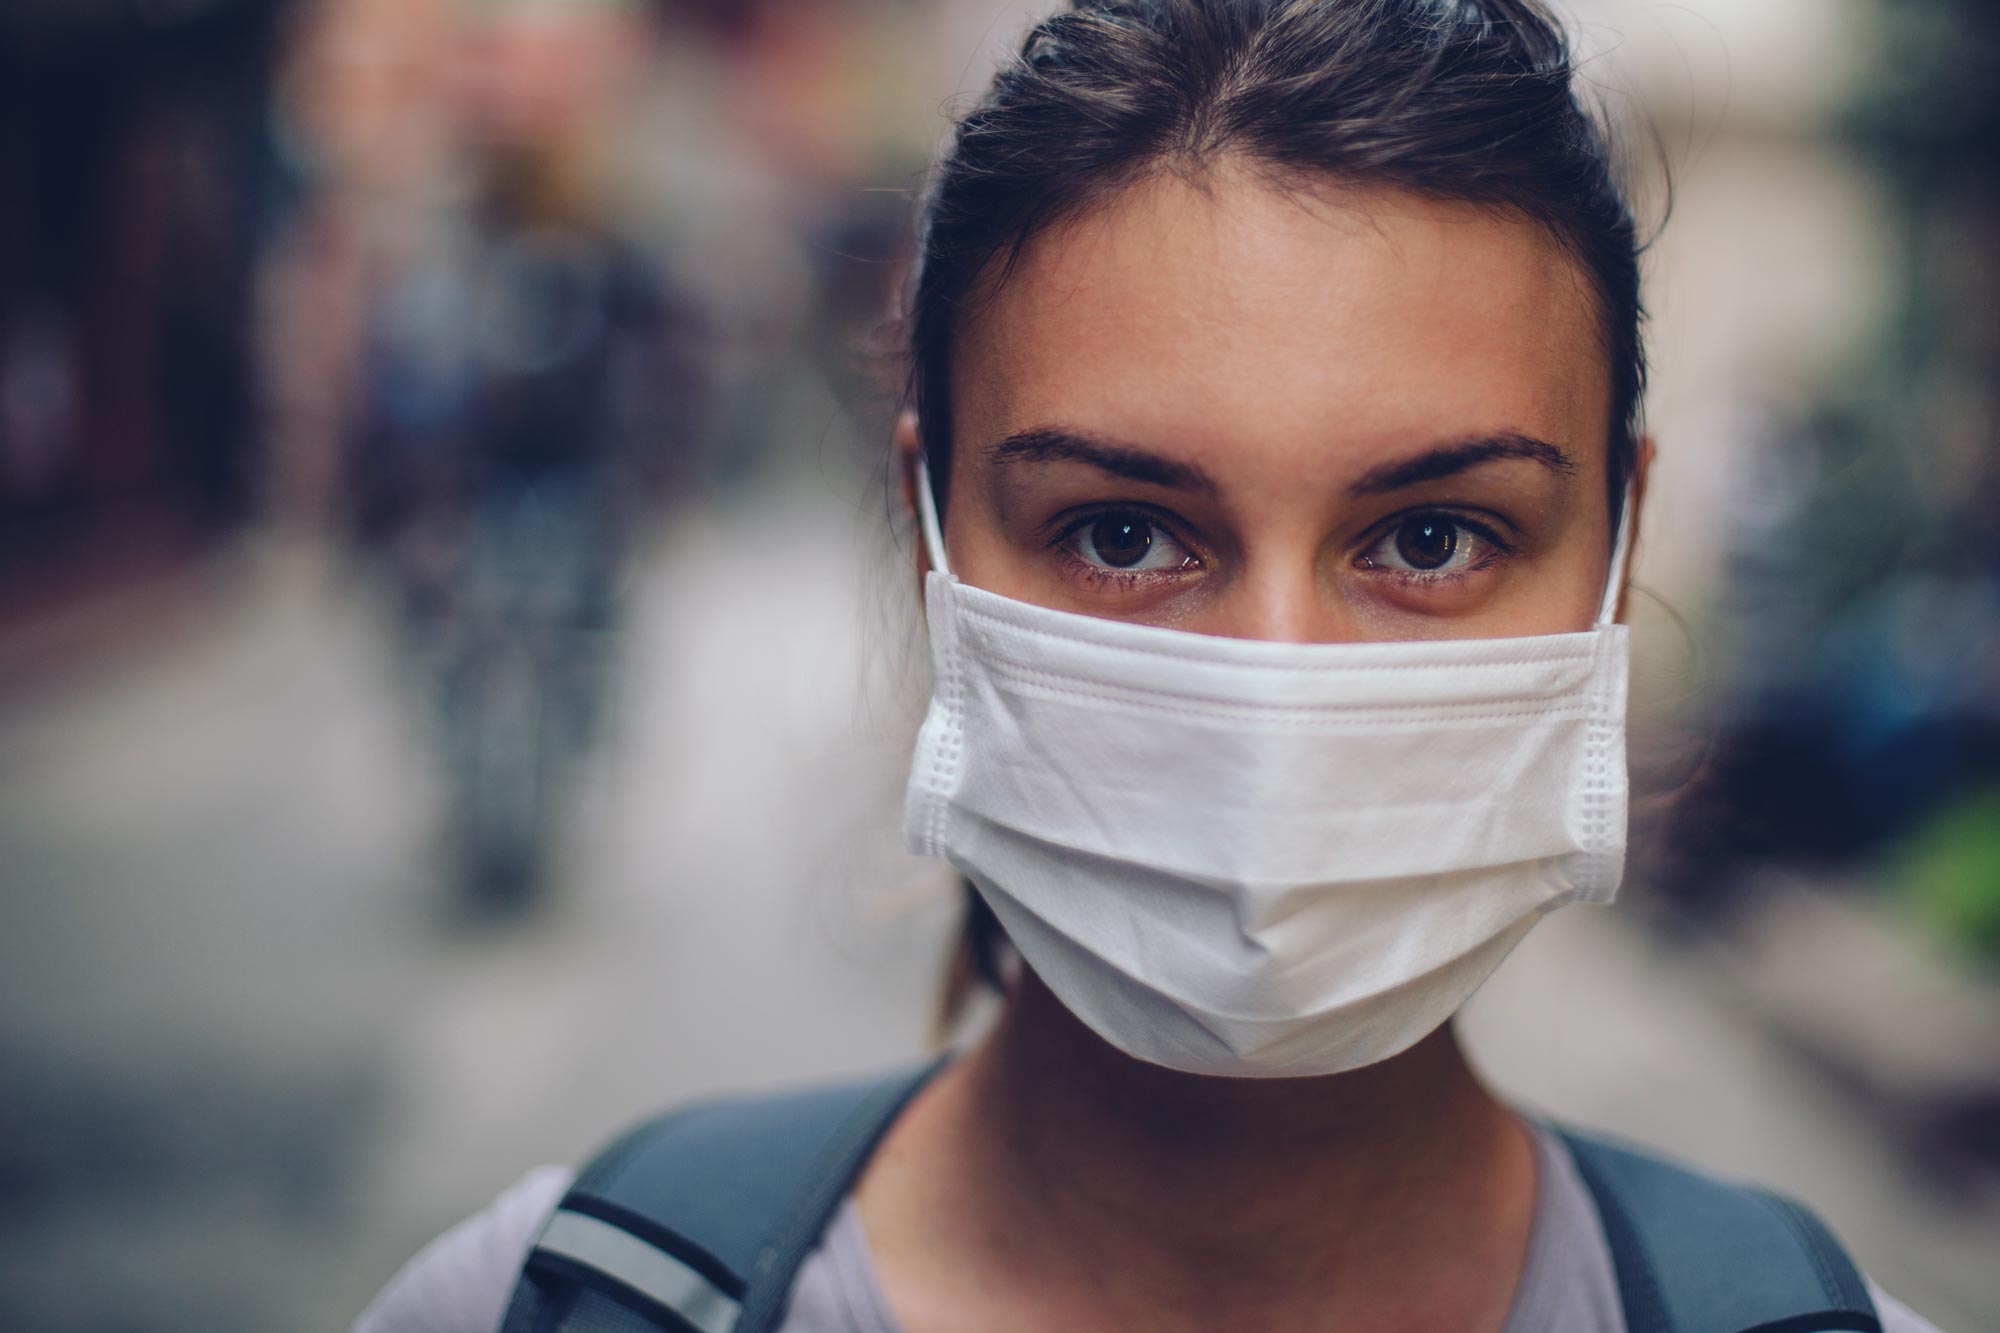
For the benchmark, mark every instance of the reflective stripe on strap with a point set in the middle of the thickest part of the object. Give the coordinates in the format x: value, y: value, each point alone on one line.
x: 640, y: 1266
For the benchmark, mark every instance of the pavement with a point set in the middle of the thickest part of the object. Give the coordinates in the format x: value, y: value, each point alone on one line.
x: 252, y: 1057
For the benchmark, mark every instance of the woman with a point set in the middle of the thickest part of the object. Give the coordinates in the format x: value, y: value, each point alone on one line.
x: 1275, y: 378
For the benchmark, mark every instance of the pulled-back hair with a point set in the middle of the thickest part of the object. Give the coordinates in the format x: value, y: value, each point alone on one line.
x: 1460, y: 100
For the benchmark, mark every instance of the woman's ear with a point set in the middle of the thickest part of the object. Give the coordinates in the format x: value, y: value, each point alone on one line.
x: 906, y: 449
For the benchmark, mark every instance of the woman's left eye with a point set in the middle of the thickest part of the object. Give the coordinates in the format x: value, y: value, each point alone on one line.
x: 1124, y: 541
x: 1432, y: 544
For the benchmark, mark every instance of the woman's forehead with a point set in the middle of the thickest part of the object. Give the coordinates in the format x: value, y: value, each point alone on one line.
x: 1231, y: 320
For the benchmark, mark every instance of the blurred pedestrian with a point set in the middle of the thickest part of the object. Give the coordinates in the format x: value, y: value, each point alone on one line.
x: 518, y: 389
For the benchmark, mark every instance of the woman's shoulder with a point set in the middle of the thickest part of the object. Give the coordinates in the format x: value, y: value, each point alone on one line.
x: 459, y: 1283
x: 1897, y: 1317
x: 1651, y: 1193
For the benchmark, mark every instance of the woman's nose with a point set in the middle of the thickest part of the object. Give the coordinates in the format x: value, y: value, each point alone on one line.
x: 1282, y: 599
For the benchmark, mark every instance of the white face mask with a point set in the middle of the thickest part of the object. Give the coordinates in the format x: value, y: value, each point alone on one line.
x: 1257, y: 859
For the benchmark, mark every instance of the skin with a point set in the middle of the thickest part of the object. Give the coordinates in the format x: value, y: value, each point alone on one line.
x: 1248, y: 379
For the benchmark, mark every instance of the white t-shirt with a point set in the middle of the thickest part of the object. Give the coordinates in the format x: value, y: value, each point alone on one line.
x: 461, y: 1282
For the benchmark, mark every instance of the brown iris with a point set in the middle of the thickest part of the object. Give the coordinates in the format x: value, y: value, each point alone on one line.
x: 1121, y: 540
x: 1427, y: 541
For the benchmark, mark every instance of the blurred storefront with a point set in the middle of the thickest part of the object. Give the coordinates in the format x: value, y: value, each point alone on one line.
x: 135, y: 174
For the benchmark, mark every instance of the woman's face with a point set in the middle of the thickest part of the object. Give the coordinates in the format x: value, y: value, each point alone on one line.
x: 1246, y: 412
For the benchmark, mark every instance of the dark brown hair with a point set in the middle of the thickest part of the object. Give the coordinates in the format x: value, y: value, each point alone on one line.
x: 1463, y: 100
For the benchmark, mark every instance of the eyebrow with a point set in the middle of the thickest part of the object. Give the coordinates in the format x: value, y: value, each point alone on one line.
x: 1054, y: 444
x: 1450, y: 459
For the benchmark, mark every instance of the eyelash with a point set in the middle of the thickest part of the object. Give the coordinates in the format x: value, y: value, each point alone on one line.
x: 1387, y: 529
x: 1106, y: 576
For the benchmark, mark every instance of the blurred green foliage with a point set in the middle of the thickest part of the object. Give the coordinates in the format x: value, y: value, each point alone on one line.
x: 1926, y: 104
x: 1903, y: 480
x: 1951, y: 872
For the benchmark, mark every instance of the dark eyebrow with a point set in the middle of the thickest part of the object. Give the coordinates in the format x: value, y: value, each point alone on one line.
x: 1447, y: 460
x: 1053, y: 444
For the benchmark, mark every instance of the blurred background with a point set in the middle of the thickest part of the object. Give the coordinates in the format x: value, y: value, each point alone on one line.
x: 457, y: 662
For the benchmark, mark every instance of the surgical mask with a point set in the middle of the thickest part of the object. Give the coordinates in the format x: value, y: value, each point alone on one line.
x: 1268, y: 860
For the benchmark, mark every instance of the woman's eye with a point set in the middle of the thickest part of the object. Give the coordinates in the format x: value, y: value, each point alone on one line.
x: 1431, y: 544
x: 1125, y: 541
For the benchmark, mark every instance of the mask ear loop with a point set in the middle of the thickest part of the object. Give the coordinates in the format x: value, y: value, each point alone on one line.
x: 1621, y: 555
x: 927, y: 519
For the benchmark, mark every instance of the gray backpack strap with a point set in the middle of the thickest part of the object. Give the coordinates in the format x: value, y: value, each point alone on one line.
x: 698, y: 1221
x: 1699, y: 1255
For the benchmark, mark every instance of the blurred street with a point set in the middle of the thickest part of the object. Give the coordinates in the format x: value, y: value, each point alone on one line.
x: 233, y: 961
x: 255, y: 1058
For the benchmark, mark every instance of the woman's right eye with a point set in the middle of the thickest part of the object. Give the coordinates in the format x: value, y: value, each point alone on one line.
x: 1125, y: 541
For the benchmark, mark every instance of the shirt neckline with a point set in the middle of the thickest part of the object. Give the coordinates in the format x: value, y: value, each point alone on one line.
x: 1567, y: 1283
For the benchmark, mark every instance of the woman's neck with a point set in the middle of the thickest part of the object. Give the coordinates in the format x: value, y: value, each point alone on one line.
x: 1049, y: 1180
